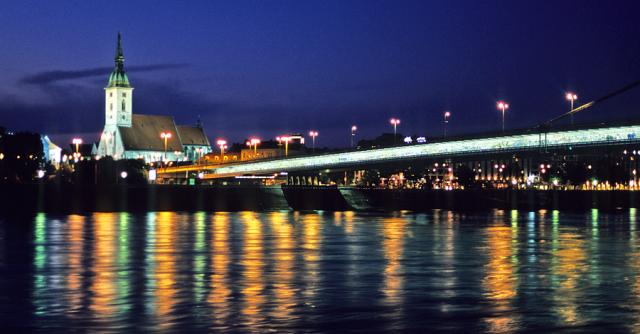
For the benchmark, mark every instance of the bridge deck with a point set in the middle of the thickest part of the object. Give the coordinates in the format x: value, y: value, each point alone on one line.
x: 521, y: 142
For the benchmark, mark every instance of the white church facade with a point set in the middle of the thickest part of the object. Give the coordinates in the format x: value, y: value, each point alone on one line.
x: 136, y: 136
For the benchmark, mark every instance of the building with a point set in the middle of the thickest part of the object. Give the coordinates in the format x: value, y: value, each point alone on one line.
x: 275, y: 148
x: 52, y: 152
x: 136, y: 136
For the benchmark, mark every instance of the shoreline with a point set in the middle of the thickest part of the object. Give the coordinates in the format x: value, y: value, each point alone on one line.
x: 55, y: 198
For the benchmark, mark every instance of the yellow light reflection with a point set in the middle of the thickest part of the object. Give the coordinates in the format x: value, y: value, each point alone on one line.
x: 103, y: 287
x: 284, y: 266
x: 165, y: 250
x: 220, y: 291
x: 74, y: 274
x: 311, y: 246
x: 570, y: 265
x: 253, y: 263
x: 392, y: 244
x: 500, y: 282
x: 348, y: 221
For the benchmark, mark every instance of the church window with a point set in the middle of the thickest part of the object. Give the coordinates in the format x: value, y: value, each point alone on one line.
x: 124, y: 94
x: 123, y: 108
x: 110, y: 106
x: 110, y: 94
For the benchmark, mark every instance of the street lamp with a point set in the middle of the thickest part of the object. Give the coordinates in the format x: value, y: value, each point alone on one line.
x: 353, y: 133
x: 503, y: 106
x: 255, y: 142
x: 447, y: 114
x: 286, y: 140
x: 77, y: 142
x: 394, y: 122
x: 222, y: 144
x: 571, y: 97
x: 166, y: 136
x: 313, y: 135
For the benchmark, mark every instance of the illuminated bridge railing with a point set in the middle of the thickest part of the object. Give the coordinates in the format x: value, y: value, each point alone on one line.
x: 599, y: 136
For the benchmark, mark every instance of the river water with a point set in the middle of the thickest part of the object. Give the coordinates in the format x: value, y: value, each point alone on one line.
x: 497, y: 271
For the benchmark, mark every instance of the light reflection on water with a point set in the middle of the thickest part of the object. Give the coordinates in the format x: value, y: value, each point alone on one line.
x: 499, y: 272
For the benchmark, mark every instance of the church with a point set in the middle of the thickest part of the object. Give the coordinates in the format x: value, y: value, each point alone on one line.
x: 150, y: 137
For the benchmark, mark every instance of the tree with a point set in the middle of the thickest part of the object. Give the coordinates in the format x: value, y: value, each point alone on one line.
x: 22, y: 155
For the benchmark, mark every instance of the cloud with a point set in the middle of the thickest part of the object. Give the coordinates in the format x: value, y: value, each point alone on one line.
x: 47, y: 77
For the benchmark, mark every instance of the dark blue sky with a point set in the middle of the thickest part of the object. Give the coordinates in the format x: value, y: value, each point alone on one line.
x: 269, y: 67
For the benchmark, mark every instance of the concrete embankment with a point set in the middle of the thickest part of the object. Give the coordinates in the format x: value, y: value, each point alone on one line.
x: 480, y: 199
x: 74, y: 199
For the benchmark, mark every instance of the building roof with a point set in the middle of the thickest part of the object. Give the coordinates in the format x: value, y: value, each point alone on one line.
x: 118, y: 77
x: 192, y: 135
x: 144, y: 133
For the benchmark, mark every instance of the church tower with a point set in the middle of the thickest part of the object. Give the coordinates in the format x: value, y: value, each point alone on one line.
x: 118, y: 94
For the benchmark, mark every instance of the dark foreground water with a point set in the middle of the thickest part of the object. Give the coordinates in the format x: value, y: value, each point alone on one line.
x: 501, y: 271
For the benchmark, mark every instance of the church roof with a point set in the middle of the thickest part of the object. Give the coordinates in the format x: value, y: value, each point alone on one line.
x: 118, y: 77
x: 192, y: 135
x: 144, y: 133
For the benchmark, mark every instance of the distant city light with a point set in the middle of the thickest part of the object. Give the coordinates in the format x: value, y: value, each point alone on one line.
x: 40, y: 173
x: 421, y: 140
x: 408, y: 140
x: 123, y: 174
x: 152, y: 175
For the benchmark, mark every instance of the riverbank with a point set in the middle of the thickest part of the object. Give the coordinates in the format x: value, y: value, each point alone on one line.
x: 77, y: 198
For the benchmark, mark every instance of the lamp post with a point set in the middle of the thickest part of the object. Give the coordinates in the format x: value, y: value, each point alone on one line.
x: 77, y: 142
x: 286, y: 140
x: 166, y: 136
x: 394, y: 122
x: 447, y: 114
x: 503, y: 106
x: 571, y: 97
x: 313, y: 135
x: 353, y: 133
x: 222, y: 144
x: 255, y: 142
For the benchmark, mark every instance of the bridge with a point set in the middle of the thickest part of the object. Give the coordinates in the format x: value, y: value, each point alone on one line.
x: 519, y: 142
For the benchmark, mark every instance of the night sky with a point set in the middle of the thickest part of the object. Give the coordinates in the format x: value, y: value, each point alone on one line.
x: 265, y: 68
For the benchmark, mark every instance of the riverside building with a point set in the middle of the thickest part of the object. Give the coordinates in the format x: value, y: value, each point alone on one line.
x: 136, y: 136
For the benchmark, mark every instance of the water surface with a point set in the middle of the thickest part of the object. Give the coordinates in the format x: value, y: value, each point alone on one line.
x: 499, y: 271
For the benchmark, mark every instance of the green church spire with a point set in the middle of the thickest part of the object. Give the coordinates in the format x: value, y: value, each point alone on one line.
x: 118, y: 77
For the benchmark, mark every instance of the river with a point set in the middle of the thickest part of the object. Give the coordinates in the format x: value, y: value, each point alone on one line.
x: 495, y: 271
